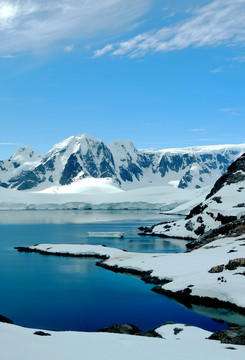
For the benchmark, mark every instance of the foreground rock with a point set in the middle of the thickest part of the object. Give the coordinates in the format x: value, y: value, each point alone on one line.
x: 129, y: 329
x: 6, y: 320
x: 233, y: 335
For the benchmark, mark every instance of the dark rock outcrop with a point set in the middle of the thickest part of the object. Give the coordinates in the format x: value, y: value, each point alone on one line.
x: 121, y: 329
x: 235, y: 173
x: 129, y: 329
x: 6, y: 320
x: 233, y: 335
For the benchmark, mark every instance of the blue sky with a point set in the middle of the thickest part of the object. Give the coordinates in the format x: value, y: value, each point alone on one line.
x: 162, y: 73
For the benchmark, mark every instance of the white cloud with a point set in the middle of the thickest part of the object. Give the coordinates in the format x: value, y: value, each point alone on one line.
x: 217, y: 70
x: 198, y: 130
x: 35, y: 24
x: 9, y: 143
x: 103, y: 51
x: 69, y: 48
x: 221, y: 22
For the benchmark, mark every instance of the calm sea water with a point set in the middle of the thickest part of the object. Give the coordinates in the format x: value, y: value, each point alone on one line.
x: 57, y: 293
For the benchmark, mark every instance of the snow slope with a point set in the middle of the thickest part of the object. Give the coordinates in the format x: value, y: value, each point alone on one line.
x: 99, y: 194
x: 191, y: 343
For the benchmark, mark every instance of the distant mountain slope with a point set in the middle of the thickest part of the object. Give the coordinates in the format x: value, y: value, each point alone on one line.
x: 22, y: 160
x: 224, y: 204
x: 84, y: 156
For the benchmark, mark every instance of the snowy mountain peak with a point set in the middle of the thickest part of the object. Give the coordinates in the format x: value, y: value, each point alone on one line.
x: 83, y: 156
x: 24, y: 154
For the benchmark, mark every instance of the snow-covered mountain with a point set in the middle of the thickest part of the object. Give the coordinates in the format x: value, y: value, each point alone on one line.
x: 83, y: 156
x: 224, y: 205
x: 22, y: 160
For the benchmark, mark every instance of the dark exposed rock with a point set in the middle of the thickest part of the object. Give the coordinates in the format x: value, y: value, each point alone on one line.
x: 121, y: 329
x: 225, y: 219
x: 233, y: 335
x: 189, y: 226
x: 234, y: 174
x: 235, y: 263
x: 196, y: 210
x: 129, y: 329
x: 72, y: 168
x: 186, y: 179
x: 6, y: 320
x: 186, y: 298
x: 217, y: 269
x: 4, y: 185
x: 200, y: 230
x: 234, y: 228
x: 41, y: 333
x: 177, y: 330
x: 217, y: 199
x: 239, y: 205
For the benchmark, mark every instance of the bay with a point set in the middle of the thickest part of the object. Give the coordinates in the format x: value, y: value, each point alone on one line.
x: 49, y: 292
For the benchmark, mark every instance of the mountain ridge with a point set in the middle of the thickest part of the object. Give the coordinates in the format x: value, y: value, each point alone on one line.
x: 84, y: 156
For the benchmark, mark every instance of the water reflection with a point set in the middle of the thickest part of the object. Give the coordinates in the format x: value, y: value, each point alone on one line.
x: 223, y: 315
x: 78, y: 217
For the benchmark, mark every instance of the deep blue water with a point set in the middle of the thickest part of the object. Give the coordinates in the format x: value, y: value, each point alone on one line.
x: 58, y: 293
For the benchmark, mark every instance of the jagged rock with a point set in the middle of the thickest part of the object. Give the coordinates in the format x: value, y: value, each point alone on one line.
x: 217, y: 199
x: 217, y: 269
x: 225, y: 219
x: 235, y: 263
x: 233, y: 335
x: 234, y: 228
x: 41, y: 333
x: 189, y: 226
x: 177, y: 331
x: 239, y: 205
x: 196, y: 210
x: 200, y: 230
x: 4, y: 319
x: 121, y: 329
x: 235, y: 173
x: 129, y: 329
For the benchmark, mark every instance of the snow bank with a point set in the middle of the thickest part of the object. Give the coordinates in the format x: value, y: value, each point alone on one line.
x: 190, y: 343
x: 158, y: 197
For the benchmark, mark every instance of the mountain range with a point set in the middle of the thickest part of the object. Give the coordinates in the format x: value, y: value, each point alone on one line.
x: 83, y: 156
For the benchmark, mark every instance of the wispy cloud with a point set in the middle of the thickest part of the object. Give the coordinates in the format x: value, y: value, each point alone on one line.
x: 235, y: 111
x: 103, y: 51
x: 34, y: 24
x: 221, y: 22
x: 8, y: 56
x: 9, y: 143
x: 198, y: 130
x: 217, y: 70
x: 240, y: 59
x: 69, y: 48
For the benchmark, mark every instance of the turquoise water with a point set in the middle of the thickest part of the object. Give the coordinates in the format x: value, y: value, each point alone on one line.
x: 57, y: 293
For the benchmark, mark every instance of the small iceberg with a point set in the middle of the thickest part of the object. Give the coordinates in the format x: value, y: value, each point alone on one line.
x: 106, y: 234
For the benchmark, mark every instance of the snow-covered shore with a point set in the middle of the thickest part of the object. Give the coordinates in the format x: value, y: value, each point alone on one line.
x: 182, y: 273
x: 178, y: 342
